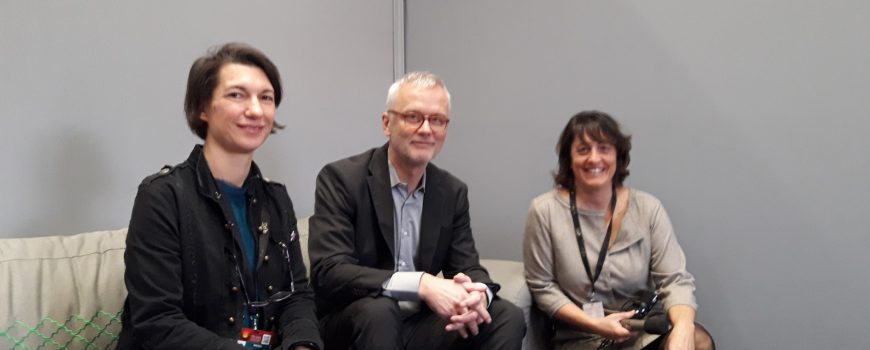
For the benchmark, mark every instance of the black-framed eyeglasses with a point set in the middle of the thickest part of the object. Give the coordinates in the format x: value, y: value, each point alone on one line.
x: 438, y: 122
x: 279, y: 295
x: 274, y: 298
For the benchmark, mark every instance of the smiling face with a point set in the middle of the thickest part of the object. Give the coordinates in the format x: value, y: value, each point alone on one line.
x: 593, y: 163
x: 242, y: 110
x: 413, y: 147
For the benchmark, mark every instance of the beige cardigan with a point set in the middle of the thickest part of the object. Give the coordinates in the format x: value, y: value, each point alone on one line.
x: 645, y: 256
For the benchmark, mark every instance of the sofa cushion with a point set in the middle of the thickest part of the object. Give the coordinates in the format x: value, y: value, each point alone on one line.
x: 511, y: 276
x: 68, y: 288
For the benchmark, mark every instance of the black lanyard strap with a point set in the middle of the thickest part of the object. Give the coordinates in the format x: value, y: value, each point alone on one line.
x: 604, y: 245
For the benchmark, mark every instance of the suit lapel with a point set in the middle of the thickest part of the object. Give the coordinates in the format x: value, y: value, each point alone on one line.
x: 430, y: 223
x: 382, y: 198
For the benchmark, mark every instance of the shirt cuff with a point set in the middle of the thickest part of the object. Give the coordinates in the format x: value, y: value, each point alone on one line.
x: 488, y: 297
x: 404, y: 285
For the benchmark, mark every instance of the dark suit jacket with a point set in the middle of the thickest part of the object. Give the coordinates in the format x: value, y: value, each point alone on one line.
x: 351, y: 232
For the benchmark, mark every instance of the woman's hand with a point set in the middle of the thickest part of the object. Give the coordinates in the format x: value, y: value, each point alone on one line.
x: 682, y: 337
x: 611, y: 328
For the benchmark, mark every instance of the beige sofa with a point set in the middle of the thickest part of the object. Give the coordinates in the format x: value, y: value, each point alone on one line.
x: 67, y: 292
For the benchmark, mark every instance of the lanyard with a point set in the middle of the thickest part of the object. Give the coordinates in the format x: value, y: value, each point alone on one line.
x: 604, y: 245
x: 249, y: 311
x: 255, y: 316
x: 278, y: 296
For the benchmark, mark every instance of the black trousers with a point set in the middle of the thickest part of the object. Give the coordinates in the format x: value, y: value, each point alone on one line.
x: 378, y: 323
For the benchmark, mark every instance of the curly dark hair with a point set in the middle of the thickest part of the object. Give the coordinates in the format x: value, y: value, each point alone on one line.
x: 204, y: 77
x: 598, y: 126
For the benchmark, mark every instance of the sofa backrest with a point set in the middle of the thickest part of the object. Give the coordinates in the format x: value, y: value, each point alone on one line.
x: 302, y: 229
x: 63, y: 291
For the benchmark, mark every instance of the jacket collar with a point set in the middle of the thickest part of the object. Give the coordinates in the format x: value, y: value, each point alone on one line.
x: 432, y: 219
x: 379, y: 187
x: 382, y: 200
x: 205, y: 181
x: 207, y: 186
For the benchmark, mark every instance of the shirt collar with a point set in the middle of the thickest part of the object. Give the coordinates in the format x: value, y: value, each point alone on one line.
x: 394, y: 178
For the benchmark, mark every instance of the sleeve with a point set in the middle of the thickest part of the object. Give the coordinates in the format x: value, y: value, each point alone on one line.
x: 538, y: 261
x: 404, y: 285
x: 153, y: 277
x: 462, y: 255
x: 668, y: 262
x: 335, y: 270
x: 299, y: 324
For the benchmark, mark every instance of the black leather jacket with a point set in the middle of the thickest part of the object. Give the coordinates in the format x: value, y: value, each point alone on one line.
x: 184, y: 288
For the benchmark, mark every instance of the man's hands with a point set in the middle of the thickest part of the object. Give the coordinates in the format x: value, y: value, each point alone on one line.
x: 474, y: 307
x: 460, y: 301
x: 441, y: 295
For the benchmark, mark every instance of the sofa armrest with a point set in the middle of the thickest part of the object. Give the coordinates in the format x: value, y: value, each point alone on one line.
x: 66, y: 290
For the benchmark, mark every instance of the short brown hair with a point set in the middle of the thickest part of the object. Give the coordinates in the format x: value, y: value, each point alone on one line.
x: 600, y: 127
x: 205, y: 74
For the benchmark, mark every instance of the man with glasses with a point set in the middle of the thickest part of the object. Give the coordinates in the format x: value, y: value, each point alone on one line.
x: 386, y: 223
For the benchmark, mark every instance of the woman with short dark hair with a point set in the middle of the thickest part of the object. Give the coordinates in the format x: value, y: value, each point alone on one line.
x: 213, y: 257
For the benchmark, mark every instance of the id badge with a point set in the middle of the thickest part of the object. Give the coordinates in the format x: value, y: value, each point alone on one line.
x: 255, y: 339
x: 594, y: 309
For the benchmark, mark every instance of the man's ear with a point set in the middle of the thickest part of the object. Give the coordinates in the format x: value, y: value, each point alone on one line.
x: 385, y: 122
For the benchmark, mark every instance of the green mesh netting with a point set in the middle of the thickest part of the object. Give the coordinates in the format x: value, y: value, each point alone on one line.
x: 97, y: 332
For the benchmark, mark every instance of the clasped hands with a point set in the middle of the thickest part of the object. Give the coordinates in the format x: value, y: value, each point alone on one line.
x: 460, y: 301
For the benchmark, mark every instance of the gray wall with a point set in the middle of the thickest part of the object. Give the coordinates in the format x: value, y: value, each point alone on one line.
x: 92, y: 96
x: 749, y: 122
